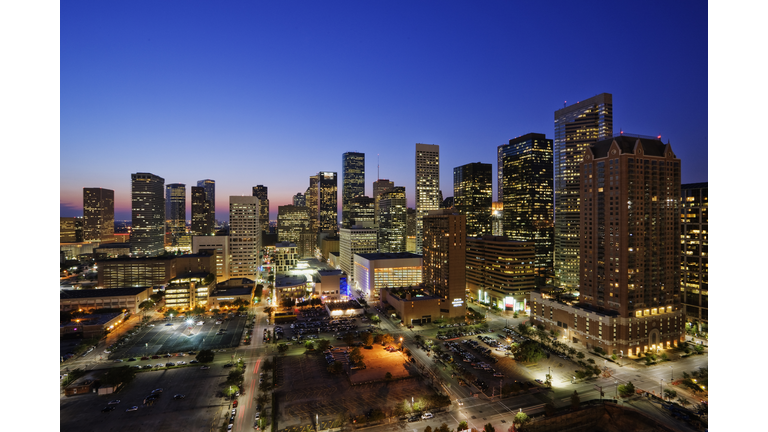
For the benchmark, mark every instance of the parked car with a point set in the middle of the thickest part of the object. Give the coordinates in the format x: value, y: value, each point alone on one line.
x: 133, y: 408
x: 427, y: 416
x: 113, y: 402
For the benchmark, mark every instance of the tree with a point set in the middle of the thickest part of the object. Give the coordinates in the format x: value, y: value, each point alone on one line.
x: 356, y: 357
x: 682, y: 401
x: 205, y: 356
x: 549, y: 409
x: 529, y: 351
x: 387, y: 339
x: 572, y: 351
x: 368, y: 339
x: 444, y: 428
x: 489, y: 428
x: 323, y: 344
x: 335, y: 368
x: 282, y: 348
x: 171, y: 311
x: 146, y: 306
x: 580, y: 355
x: 428, y: 429
x: 521, y: 419
x: 627, y: 389
x: 669, y: 393
x: 575, y: 400
x: 309, y: 345
x: 348, y: 338
x: 463, y: 426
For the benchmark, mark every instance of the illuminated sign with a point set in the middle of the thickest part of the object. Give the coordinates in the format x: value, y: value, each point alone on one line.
x: 457, y: 302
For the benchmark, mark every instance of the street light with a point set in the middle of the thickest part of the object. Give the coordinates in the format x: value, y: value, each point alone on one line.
x: 671, y: 372
x: 661, y: 393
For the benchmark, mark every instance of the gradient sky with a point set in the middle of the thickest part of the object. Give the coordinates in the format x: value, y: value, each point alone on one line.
x: 270, y: 93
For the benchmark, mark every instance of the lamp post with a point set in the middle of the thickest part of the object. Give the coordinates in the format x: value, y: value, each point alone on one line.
x: 671, y: 372
x: 661, y: 385
x: 616, y: 382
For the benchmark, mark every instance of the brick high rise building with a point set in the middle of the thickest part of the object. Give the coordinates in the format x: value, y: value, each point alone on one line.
x: 694, y: 268
x: 444, y: 247
x: 98, y: 214
x: 428, y: 195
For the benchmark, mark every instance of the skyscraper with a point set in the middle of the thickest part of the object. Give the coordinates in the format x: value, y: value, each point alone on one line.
x: 293, y: 227
x: 210, y: 192
x: 379, y: 186
x: 361, y: 212
x: 299, y: 200
x: 473, y: 196
x: 528, y: 201
x: 261, y: 193
x: 327, y: 202
x: 392, y: 220
x: 202, y: 217
x: 445, y: 259
x: 244, y: 237
x: 147, y: 214
x: 312, y: 203
x: 98, y: 214
x: 694, y: 221
x: 427, y: 185
x: 176, y: 211
x: 576, y: 127
x: 353, y: 182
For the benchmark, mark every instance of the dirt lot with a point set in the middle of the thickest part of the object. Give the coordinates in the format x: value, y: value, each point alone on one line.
x: 377, y: 363
x: 195, y: 412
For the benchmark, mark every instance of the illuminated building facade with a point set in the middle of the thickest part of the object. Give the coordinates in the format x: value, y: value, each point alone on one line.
x: 311, y: 199
x: 392, y: 220
x: 355, y: 241
x: 244, y: 237
x: 147, y: 215
x: 361, y: 212
x: 286, y: 257
x: 500, y: 271
x: 380, y: 186
x: 374, y: 271
x: 98, y: 214
x: 576, y: 127
x: 428, y: 196
x: 473, y: 196
x: 353, y: 182
x: 445, y: 259
x: 528, y: 200
x: 188, y: 291
x: 70, y: 230
x: 293, y: 226
x: 202, y: 217
x: 218, y: 247
x: 261, y: 192
x: 327, y: 202
x: 694, y: 270
x: 210, y: 194
x: 299, y: 200
x: 176, y: 211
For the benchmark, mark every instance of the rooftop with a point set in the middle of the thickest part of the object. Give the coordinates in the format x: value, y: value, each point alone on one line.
x: 107, y: 292
x: 651, y: 146
x: 385, y: 256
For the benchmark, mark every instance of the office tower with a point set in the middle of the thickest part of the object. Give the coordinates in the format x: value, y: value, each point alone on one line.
x: 352, y: 182
x: 473, y: 196
x: 244, y: 237
x: 380, y: 186
x: 355, y: 241
x: 210, y: 192
x: 261, y: 193
x: 694, y: 267
x: 70, y: 230
x: 500, y: 271
x: 528, y: 200
x: 202, y: 221
x: 410, y: 230
x: 218, y: 246
x: 312, y: 205
x: 497, y: 218
x: 448, y: 203
x: 445, y: 258
x: 98, y: 214
x: 299, y: 200
x: 327, y: 202
x: 176, y: 211
x: 147, y: 215
x: 293, y: 227
x: 428, y: 195
x: 361, y: 212
x: 392, y: 220
x: 576, y: 127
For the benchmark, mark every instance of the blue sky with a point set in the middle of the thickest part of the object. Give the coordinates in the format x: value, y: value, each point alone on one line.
x: 269, y: 93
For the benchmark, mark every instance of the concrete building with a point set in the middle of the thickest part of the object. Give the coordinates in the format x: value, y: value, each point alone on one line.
x: 332, y: 285
x: 311, y: 197
x: 428, y: 196
x: 189, y: 291
x: 473, y: 196
x: 262, y: 193
x: 286, y: 257
x: 445, y: 260
x: 355, y: 241
x: 500, y: 271
x: 361, y: 212
x: 352, y: 182
x: 147, y: 215
x: 414, y: 305
x: 218, y: 246
x: 293, y: 226
x: 175, y: 211
x: 392, y: 220
x: 328, y: 245
x: 374, y: 271
x: 70, y: 230
x: 694, y: 270
x: 98, y: 214
x: 379, y: 187
x: 230, y: 290
x: 147, y: 272
x: 210, y: 195
x: 576, y: 127
x: 73, y: 250
x: 111, y: 250
x: 244, y: 237
x: 115, y: 298
x: 630, y: 251
x: 299, y: 200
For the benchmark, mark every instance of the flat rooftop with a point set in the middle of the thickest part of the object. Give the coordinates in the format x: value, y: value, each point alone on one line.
x: 107, y: 292
x: 384, y: 256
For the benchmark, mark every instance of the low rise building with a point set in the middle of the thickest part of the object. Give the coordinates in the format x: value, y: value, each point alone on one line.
x: 374, y: 271
x: 343, y: 308
x: 91, y: 325
x: 229, y: 291
x: 189, y: 291
x: 413, y: 305
x: 113, y: 298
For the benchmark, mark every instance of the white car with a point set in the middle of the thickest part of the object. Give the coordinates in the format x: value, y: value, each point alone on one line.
x: 113, y: 402
x: 257, y: 416
x: 427, y: 416
x: 133, y: 408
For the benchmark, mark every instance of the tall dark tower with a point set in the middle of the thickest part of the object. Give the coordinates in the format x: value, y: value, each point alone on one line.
x: 392, y: 220
x: 210, y: 192
x: 352, y: 182
x: 98, y: 214
x: 202, y: 223
x: 473, y: 196
x: 428, y: 195
x: 260, y: 192
x: 147, y: 214
x: 327, y: 201
x: 176, y: 211
x: 576, y: 127
x: 528, y: 206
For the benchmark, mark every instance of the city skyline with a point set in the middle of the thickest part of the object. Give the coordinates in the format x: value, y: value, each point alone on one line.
x: 186, y: 93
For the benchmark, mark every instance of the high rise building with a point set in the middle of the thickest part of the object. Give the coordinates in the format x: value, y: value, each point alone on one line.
x: 500, y: 271
x: 392, y: 220
x: 576, y: 127
x: 694, y: 266
x: 473, y: 196
x: 293, y: 227
x: 202, y: 217
x: 210, y: 192
x: 147, y: 215
x: 353, y: 182
x: 244, y: 237
x: 98, y: 214
x: 70, y: 230
x: 327, y: 202
x: 355, y: 241
x: 218, y: 246
x: 176, y: 211
x: 312, y: 203
x: 410, y: 230
x: 445, y: 258
x: 428, y: 196
x: 361, y: 212
x: 528, y: 200
x: 380, y: 186
x: 261, y: 193
x: 299, y: 200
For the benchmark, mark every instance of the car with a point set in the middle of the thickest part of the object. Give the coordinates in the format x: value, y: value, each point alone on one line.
x: 193, y: 361
x: 229, y: 365
x: 413, y: 418
x: 155, y: 357
x: 113, y: 402
x: 179, y: 396
x: 229, y: 428
x: 118, y: 360
x: 257, y: 416
x: 151, y: 325
x: 204, y: 367
x: 181, y: 362
x: 237, y: 394
x: 107, y: 409
x: 234, y: 411
x: 132, y: 359
x: 149, y: 366
x: 169, y: 324
x: 157, y: 390
x: 169, y: 364
x: 427, y: 416
x: 145, y: 358
x: 459, y: 402
x: 133, y: 408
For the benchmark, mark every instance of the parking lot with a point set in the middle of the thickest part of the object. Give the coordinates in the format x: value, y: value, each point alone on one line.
x: 162, y: 337
x: 195, y: 412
